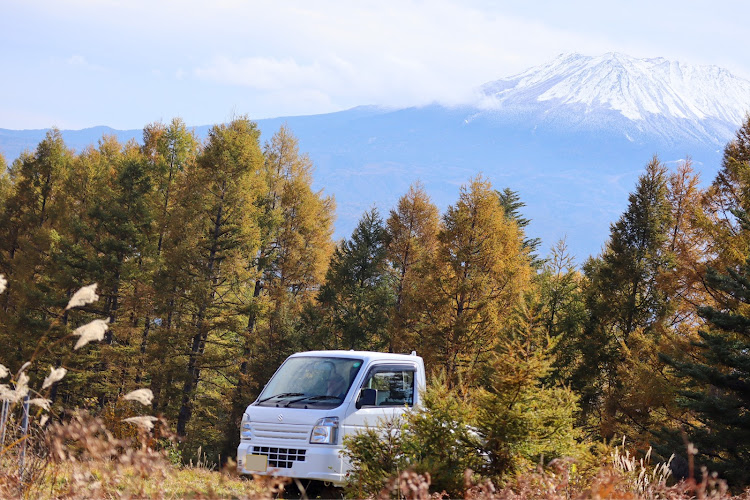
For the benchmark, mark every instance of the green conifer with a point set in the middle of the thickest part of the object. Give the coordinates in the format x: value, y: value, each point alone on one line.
x: 717, y: 376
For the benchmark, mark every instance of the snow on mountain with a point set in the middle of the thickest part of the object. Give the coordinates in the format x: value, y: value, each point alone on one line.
x: 656, y: 96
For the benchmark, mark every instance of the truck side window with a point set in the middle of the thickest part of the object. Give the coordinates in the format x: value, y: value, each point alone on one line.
x: 394, y: 386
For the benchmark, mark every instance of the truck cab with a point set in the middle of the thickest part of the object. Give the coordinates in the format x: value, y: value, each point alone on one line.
x: 296, y: 425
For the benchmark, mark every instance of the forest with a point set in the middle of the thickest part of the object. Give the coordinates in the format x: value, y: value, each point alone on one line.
x: 214, y: 260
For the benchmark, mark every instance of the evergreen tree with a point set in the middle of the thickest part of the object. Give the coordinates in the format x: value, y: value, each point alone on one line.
x: 511, y: 202
x: 718, y: 379
x: 562, y: 310
x: 522, y: 419
x: 106, y: 236
x: 119, y: 224
x: 729, y: 192
x: 623, y: 297
x: 357, y: 295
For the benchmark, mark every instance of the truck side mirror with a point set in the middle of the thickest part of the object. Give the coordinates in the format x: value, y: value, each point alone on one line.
x: 367, y: 397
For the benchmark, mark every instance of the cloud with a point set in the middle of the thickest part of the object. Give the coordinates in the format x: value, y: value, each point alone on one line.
x: 390, y: 54
x: 77, y: 60
x: 267, y: 73
x: 293, y: 57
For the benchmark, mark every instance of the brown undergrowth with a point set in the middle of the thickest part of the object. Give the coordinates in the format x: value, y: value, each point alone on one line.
x: 620, y: 476
x: 82, y: 459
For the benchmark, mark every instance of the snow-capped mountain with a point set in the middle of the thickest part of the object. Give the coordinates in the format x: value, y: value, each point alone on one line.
x: 639, y: 96
x: 571, y: 137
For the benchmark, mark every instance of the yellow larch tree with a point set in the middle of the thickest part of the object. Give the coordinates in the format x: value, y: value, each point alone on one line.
x: 479, y: 273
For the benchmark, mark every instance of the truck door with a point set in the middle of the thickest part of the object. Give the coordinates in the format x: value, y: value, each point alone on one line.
x: 395, y: 390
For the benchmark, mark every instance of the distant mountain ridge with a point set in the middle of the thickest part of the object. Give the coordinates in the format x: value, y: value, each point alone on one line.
x: 570, y: 136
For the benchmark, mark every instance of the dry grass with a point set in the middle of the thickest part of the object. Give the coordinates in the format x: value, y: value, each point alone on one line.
x: 83, y: 459
x: 623, y: 476
x: 75, y: 480
x: 99, y: 480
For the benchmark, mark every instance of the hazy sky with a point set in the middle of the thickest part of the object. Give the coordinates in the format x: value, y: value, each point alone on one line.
x: 126, y: 63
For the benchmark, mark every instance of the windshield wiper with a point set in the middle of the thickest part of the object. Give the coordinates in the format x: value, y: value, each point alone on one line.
x: 313, y: 398
x: 282, y: 395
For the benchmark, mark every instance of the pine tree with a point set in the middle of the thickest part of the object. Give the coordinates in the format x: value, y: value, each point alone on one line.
x: 623, y: 298
x: 357, y: 296
x: 511, y: 202
x: 718, y: 379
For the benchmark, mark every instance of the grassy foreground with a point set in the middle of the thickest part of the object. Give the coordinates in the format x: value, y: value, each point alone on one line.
x: 145, y: 473
x: 77, y: 480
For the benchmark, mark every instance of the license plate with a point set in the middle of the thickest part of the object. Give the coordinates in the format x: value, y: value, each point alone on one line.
x: 256, y: 463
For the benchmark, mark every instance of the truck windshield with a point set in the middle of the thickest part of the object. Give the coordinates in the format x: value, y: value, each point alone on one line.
x: 313, y: 381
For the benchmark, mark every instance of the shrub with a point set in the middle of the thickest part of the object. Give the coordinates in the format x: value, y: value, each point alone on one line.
x: 376, y: 455
x: 497, y: 433
x: 441, y: 440
x: 436, y: 439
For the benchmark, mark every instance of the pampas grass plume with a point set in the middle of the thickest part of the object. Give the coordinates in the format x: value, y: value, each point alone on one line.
x: 85, y: 295
x: 143, y: 396
x: 90, y: 331
x: 41, y: 403
x: 145, y: 422
x: 55, y: 375
x: 16, y: 395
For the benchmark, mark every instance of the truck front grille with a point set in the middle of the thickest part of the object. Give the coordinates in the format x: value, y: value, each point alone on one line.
x: 281, y: 431
x: 280, y: 458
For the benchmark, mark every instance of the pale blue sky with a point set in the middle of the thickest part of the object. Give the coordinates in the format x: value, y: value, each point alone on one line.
x: 126, y: 63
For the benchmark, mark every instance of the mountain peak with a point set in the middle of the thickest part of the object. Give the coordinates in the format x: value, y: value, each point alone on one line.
x: 640, y: 90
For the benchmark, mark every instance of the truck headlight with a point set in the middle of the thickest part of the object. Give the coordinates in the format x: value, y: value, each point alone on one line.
x: 326, y: 431
x: 246, y: 433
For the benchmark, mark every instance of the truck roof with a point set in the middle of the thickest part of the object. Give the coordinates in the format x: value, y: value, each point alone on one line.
x: 366, y: 355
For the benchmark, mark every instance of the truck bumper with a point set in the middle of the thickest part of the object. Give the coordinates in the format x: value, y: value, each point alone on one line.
x: 317, y: 462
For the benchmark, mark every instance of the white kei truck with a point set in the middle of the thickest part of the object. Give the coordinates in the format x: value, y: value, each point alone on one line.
x: 296, y: 425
